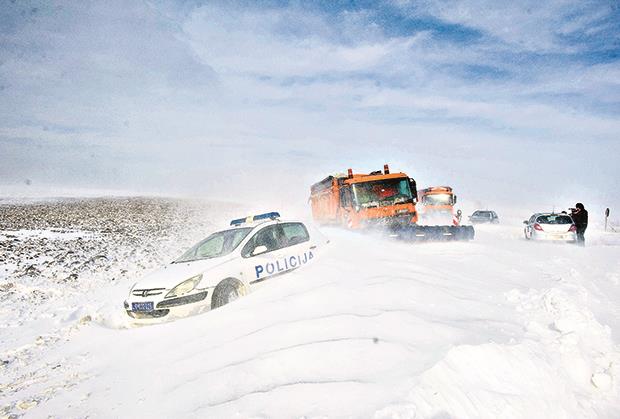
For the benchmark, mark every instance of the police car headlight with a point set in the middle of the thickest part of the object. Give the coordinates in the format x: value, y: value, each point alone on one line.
x: 184, y: 287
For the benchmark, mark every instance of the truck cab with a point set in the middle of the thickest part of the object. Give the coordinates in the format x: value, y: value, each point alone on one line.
x: 357, y: 200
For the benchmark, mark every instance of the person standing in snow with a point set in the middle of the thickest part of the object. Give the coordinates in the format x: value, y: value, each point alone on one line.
x: 580, y: 217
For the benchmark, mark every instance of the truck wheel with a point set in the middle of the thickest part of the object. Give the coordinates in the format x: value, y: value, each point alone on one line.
x: 226, y: 292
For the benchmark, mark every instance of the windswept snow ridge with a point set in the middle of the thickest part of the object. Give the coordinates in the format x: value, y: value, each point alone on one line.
x: 565, y: 365
x: 498, y: 327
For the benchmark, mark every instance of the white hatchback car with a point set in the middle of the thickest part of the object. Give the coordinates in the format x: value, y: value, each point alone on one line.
x: 550, y: 226
x: 222, y: 267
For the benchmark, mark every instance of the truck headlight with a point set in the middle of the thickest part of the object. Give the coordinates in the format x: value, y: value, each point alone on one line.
x: 184, y: 287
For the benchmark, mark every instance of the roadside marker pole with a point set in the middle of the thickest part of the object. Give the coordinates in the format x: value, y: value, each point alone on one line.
x: 606, y: 217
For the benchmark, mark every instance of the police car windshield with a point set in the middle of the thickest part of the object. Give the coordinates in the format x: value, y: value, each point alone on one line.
x: 216, y: 245
x: 382, y: 192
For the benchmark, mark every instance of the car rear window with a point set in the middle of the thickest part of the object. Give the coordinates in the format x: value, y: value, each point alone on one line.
x: 554, y: 219
x: 295, y: 233
x: 276, y: 237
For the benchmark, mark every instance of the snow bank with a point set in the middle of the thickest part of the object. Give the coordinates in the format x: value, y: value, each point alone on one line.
x: 564, y: 366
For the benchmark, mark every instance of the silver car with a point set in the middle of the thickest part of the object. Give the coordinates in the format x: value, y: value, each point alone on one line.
x: 550, y: 226
x: 484, y: 216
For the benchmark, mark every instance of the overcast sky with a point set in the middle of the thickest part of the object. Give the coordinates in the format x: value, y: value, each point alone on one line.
x: 223, y: 98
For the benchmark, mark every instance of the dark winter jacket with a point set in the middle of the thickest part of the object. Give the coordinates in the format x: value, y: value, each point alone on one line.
x: 580, y: 218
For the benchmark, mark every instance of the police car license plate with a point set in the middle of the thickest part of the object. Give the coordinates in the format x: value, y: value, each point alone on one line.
x: 146, y: 306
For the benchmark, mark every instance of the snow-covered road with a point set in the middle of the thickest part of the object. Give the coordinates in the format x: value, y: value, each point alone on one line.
x: 498, y: 327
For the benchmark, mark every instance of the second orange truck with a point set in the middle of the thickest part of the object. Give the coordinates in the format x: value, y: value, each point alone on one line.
x: 377, y: 200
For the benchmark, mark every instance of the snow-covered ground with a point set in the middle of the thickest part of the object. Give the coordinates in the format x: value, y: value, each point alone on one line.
x: 497, y: 327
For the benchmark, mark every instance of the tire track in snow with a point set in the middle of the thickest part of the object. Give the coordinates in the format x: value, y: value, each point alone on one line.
x: 283, y: 385
x: 267, y: 354
x: 279, y: 324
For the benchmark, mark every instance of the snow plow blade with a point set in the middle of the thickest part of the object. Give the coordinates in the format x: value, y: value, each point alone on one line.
x: 432, y: 233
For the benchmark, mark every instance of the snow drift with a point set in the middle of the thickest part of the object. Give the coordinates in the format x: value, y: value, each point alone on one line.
x: 498, y: 327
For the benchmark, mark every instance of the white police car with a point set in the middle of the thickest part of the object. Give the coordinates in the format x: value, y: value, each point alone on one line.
x: 222, y: 267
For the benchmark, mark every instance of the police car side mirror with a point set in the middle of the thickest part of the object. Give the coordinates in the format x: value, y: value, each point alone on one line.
x: 258, y: 250
x: 525, y: 222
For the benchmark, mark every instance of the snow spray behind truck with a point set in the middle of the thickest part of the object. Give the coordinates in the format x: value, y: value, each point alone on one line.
x: 378, y: 200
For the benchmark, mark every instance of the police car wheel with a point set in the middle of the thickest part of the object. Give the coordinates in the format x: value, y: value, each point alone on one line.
x: 226, y: 292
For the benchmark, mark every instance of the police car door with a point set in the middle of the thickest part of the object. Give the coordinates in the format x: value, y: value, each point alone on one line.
x: 275, y: 250
x: 262, y: 252
x: 300, y: 250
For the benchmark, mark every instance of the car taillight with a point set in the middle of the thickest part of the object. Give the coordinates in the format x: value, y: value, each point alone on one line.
x: 573, y: 228
x: 538, y: 227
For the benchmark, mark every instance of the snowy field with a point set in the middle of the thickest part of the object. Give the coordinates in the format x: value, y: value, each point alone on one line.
x: 494, y: 328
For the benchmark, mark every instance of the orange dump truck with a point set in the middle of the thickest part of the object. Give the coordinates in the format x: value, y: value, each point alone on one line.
x: 436, y: 205
x: 377, y: 199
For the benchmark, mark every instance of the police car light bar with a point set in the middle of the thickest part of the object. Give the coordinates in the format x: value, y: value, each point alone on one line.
x: 266, y: 216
